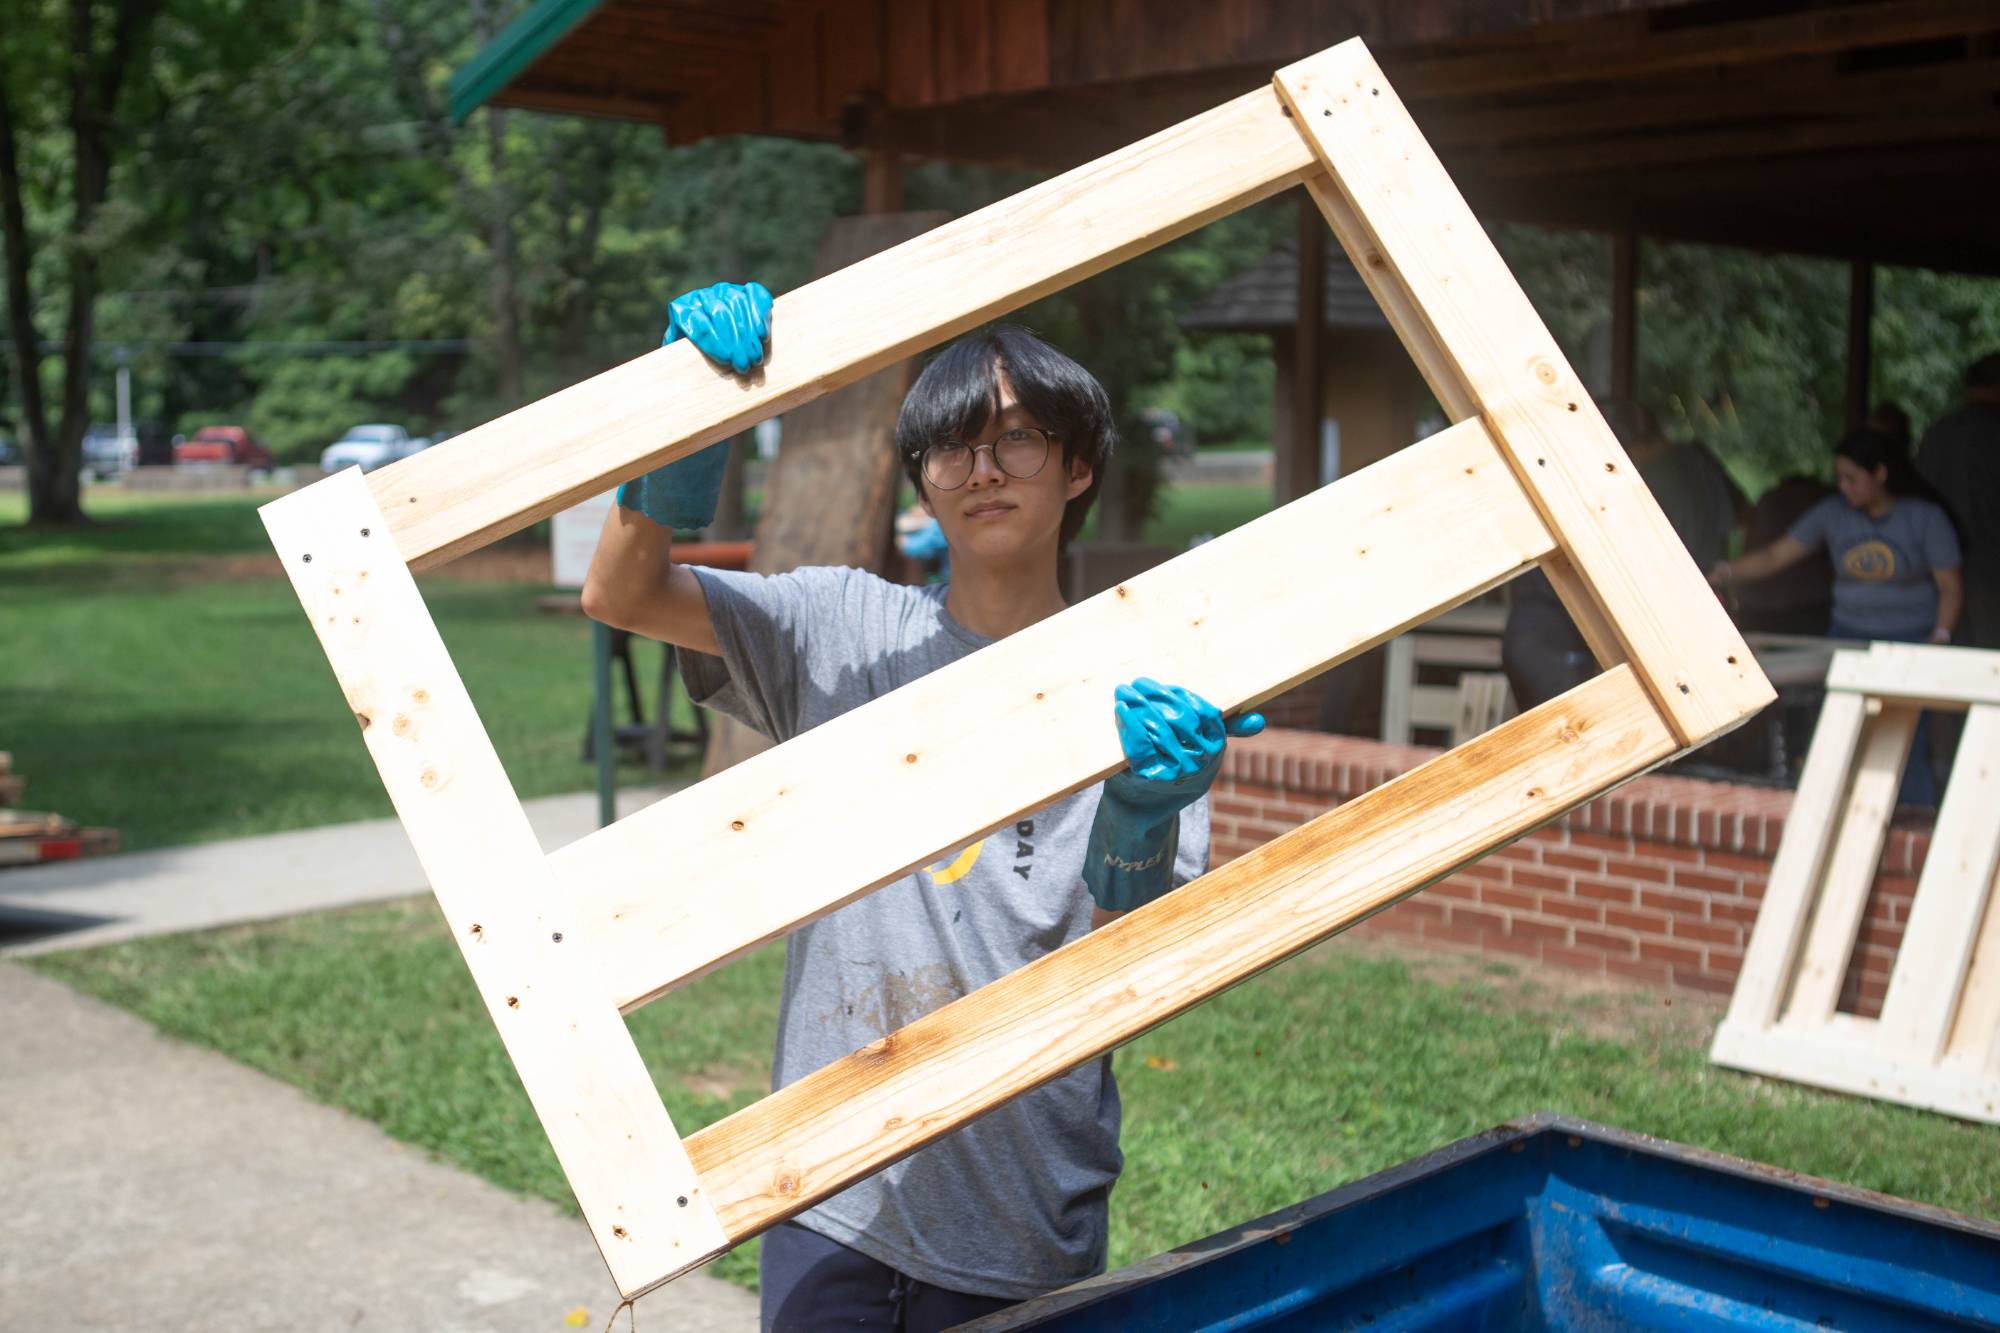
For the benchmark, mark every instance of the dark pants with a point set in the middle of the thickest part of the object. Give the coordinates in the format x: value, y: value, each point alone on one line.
x: 808, y: 1283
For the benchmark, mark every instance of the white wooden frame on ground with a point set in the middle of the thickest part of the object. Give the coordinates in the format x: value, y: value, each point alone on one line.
x: 1529, y: 475
x: 1937, y: 1043
x: 1467, y: 639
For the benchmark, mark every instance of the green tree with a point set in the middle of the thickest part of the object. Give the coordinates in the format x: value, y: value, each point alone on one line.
x: 74, y: 55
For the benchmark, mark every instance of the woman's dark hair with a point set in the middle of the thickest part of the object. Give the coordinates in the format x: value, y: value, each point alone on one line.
x: 959, y: 392
x: 1869, y: 449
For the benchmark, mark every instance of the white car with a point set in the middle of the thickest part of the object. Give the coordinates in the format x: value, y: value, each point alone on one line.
x: 369, y: 447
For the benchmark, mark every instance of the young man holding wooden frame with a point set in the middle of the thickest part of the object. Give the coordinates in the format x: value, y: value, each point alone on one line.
x: 1005, y: 439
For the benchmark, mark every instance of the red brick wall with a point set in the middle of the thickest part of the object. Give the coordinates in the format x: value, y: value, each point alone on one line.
x: 1659, y: 881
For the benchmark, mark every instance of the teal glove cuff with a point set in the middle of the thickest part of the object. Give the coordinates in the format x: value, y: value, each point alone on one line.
x: 1129, y: 858
x: 1173, y: 741
x: 682, y: 494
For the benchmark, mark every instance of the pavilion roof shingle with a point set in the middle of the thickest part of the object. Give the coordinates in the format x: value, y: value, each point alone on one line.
x: 1264, y: 298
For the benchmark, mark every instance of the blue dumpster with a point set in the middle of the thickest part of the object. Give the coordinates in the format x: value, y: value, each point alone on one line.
x: 1555, y: 1223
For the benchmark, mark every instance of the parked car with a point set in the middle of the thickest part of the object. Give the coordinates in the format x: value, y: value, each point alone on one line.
x: 369, y: 447
x: 106, y: 453
x: 223, y: 444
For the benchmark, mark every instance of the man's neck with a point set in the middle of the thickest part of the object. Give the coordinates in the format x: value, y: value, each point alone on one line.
x: 995, y: 601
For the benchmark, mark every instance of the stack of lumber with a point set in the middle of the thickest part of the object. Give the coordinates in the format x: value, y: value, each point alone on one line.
x: 28, y: 836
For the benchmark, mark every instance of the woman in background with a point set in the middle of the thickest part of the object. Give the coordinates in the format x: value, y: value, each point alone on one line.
x: 1895, y: 560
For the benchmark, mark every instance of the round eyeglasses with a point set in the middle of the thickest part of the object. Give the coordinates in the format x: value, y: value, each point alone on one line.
x: 1019, y: 453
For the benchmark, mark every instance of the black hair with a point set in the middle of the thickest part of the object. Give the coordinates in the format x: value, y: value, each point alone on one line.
x: 959, y: 392
x: 1868, y: 449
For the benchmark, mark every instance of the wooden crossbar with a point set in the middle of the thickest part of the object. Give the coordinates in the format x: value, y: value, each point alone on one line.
x: 497, y: 478
x: 1937, y: 1042
x: 557, y: 945
x: 888, y: 1099
x: 1418, y: 531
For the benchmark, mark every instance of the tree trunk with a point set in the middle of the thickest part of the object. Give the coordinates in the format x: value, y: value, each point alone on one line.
x: 38, y: 446
x: 500, y: 239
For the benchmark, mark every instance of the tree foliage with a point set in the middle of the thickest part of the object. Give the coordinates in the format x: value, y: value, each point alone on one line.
x: 291, y: 235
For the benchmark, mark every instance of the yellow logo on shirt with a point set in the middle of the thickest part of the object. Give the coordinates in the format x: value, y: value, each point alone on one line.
x: 950, y: 872
x: 1872, y: 562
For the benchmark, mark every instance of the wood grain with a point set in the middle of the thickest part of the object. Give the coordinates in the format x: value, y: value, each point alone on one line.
x: 1628, y: 560
x: 1796, y: 871
x: 1936, y: 953
x: 855, y: 1116
x: 520, y: 939
x: 1861, y: 825
x: 764, y: 847
x: 1920, y: 673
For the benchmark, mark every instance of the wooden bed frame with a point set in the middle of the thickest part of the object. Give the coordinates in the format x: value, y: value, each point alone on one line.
x: 1937, y: 1043
x: 559, y: 945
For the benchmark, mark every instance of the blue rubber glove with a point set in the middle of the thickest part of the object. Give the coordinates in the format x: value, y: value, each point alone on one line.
x: 730, y: 322
x: 1173, y: 741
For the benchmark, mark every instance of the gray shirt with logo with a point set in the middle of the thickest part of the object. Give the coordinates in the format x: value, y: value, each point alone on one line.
x: 1882, y: 566
x: 1015, y: 1203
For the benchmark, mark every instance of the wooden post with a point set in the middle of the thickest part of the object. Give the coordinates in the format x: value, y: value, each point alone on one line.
x: 1624, y: 315
x: 1860, y: 345
x: 1297, y: 472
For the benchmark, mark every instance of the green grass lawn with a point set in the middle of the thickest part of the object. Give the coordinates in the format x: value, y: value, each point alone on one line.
x: 1318, y: 1072
x: 158, y: 677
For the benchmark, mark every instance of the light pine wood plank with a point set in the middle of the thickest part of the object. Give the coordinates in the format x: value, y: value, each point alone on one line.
x: 1238, y: 620
x: 1951, y: 900
x: 1620, y: 545
x: 1796, y: 871
x: 1975, y: 1035
x: 520, y: 939
x: 1845, y: 1062
x: 1940, y: 677
x: 891, y: 1097
x: 1850, y: 871
x: 502, y: 476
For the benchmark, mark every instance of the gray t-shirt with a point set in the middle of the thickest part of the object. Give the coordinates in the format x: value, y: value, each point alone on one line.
x: 1882, y: 567
x: 1015, y: 1203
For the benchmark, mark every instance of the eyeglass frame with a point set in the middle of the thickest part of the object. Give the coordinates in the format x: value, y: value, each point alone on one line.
x: 921, y: 456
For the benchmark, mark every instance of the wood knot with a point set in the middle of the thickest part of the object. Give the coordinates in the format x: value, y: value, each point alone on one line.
x: 420, y: 695
x: 787, y: 1184
x: 429, y: 778
x: 1122, y: 592
x: 735, y: 826
x: 513, y: 1002
x: 621, y: 1233
x: 1545, y: 372
x: 402, y: 724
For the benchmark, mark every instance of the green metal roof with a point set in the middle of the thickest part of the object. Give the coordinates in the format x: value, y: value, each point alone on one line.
x: 519, y: 45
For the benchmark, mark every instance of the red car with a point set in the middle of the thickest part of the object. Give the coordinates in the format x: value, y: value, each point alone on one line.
x: 222, y: 444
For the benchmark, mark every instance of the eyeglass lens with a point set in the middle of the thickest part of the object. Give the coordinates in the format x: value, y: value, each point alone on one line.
x: 1020, y: 453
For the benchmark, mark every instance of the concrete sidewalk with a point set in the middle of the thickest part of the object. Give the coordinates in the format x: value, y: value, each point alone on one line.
x: 102, y: 899
x: 148, y: 1184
